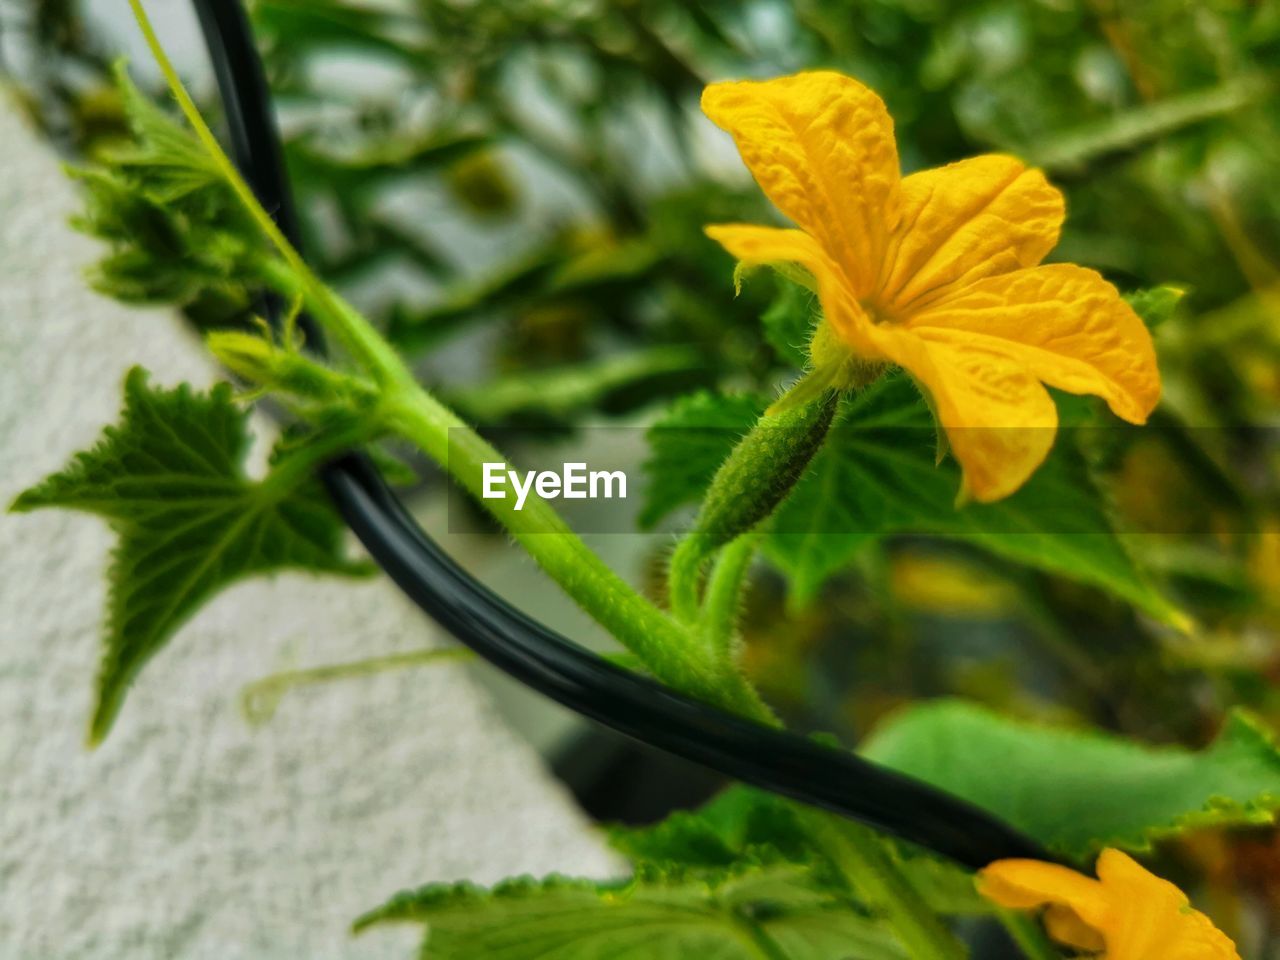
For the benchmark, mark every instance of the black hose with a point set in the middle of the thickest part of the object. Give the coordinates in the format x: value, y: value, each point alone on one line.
x: 781, y: 762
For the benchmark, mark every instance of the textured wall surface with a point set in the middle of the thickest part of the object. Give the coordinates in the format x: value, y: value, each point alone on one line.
x: 189, y: 833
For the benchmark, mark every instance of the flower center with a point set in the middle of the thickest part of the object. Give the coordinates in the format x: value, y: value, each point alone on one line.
x: 878, y: 312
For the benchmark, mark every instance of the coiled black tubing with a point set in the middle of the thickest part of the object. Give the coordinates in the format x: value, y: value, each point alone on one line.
x: 775, y: 760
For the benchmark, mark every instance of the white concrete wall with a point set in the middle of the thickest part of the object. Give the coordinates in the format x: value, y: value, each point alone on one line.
x: 189, y: 834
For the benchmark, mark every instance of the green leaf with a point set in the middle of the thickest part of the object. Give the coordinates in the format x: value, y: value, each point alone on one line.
x: 173, y: 230
x: 809, y: 560
x: 878, y: 475
x: 1078, y: 791
x: 165, y: 160
x: 1155, y: 305
x: 739, y: 824
x: 687, y: 446
x: 157, y: 253
x: 740, y: 877
x: 735, y: 915
x: 743, y: 825
x: 170, y: 481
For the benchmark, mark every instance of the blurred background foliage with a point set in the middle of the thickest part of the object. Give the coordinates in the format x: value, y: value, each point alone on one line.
x: 516, y: 189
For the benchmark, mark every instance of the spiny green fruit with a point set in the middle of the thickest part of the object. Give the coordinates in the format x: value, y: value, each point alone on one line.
x: 762, y: 469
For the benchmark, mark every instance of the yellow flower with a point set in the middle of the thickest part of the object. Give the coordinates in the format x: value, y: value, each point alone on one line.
x: 936, y: 272
x: 1128, y: 913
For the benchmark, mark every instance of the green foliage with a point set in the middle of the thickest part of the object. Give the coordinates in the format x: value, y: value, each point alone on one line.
x: 739, y: 825
x: 164, y: 160
x: 359, y: 173
x: 170, y: 480
x: 740, y: 877
x: 732, y: 915
x: 558, y: 272
x: 174, y: 232
x: 1124, y: 131
x: 878, y: 476
x: 1078, y: 791
x: 1160, y: 127
x: 743, y: 826
x: 734, y: 879
x: 158, y: 253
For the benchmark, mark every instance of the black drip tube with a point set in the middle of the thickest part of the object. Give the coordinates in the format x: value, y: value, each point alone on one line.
x: 781, y: 762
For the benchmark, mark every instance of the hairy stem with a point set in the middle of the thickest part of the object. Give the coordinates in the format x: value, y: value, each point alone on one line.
x: 724, y: 594
x: 684, y: 573
x: 665, y: 647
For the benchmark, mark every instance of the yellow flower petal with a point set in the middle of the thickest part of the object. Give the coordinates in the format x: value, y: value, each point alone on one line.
x: 766, y: 245
x: 1026, y: 884
x: 977, y: 218
x: 1064, y: 925
x: 1065, y: 323
x: 1000, y: 422
x: 821, y: 147
x: 1128, y: 913
x: 1152, y: 919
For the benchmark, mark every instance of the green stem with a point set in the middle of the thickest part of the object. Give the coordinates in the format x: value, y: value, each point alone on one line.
x: 869, y: 871
x: 663, y: 645
x: 724, y: 594
x: 411, y: 412
x: 684, y: 575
